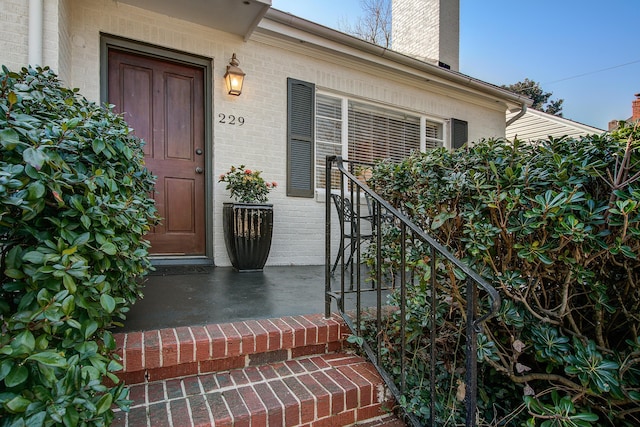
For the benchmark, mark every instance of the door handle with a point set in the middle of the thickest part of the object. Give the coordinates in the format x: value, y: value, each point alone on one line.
x: 199, y: 170
x: 199, y: 151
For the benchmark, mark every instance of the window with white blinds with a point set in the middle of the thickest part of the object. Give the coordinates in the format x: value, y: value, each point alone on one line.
x: 434, y: 134
x: 372, y: 132
x: 376, y: 134
x: 328, y: 133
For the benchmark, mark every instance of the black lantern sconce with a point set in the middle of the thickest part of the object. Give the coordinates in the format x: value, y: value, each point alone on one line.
x: 234, y: 77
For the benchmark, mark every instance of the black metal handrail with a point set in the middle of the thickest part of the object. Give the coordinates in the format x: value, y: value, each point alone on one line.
x: 382, y: 212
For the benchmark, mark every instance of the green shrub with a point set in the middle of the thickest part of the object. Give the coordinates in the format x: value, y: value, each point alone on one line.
x: 555, y: 227
x: 74, y: 209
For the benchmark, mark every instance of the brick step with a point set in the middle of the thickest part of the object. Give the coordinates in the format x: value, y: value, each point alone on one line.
x: 337, y: 389
x: 385, y: 421
x: 177, y: 352
x: 289, y: 371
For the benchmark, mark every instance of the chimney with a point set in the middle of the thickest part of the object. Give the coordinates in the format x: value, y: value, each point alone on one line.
x: 635, y: 108
x: 428, y: 30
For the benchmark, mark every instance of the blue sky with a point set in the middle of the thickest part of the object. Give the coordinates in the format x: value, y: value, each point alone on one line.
x: 586, y: 52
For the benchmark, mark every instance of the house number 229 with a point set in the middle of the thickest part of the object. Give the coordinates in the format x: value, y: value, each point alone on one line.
x: 230, y: 119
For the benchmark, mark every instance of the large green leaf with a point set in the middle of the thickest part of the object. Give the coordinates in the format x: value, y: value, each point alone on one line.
x: 24, y: 341
x: 89, y: 328
x: 18, y: 404
x: 104, y: 404
x: 5, y: 368
x: 18, y: 375
x: 36, y: 190
x: 71, y: 417
x: 107, y: 302
x: 9, y: 138
x: 50, y: 358
x: 109, y: 248
x: 34, y: 257
x: 34, y: 157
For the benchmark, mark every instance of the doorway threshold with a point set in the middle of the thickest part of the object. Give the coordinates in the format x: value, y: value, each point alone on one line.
x: 173, y: 260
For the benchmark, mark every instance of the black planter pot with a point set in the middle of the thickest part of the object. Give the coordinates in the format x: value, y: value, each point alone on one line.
x: 248, y: 228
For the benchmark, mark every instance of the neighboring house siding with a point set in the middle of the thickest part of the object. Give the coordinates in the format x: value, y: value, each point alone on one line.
x: 536, y: 125
x: 261, y: 143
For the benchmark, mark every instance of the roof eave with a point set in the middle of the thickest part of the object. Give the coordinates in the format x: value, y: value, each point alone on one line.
x: 232, y: 16
x: 512, y: 100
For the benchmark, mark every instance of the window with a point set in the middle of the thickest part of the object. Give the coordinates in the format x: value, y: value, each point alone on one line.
x: 328, y: 133
x: 376, y: 134
x: 319, y: 125
x: 371, y: 132
x: 433, y: 135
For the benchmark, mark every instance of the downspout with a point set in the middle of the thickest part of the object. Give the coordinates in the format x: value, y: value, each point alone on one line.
x: 36, y: 13
x: 523, y: 110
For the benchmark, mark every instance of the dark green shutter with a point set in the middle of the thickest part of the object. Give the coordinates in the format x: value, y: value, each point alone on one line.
x: 459, y: 133
x: 300, y: 138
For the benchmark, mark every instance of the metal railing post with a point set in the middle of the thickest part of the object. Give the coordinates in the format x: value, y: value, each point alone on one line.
x: 327, y: 239
x: 434, y: 307
x: 410, y: 234
x: 471, y: 380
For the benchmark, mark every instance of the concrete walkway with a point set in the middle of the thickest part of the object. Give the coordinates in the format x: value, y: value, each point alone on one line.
x: 202, y: 295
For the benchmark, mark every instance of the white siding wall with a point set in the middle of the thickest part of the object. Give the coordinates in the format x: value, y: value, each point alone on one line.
x: 261, y: 142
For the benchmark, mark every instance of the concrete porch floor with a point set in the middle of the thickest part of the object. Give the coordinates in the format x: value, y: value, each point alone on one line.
x: 206, y: 295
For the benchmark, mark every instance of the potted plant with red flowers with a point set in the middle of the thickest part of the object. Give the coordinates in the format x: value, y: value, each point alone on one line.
x: 248, y: 221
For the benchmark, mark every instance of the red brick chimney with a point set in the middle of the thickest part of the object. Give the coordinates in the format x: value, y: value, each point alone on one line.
x: 635, y: 107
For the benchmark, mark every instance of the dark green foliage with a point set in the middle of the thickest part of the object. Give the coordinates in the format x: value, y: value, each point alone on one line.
x: 555, y: 227
x: 541, y: 101
x: 74, y: 208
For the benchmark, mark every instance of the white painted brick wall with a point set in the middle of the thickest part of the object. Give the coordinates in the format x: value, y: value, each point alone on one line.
x: 261, y: 142
x: 50, y: 41
x: 14, y: 36
x: 64, y: 50
x: 427, y: 29
x: 14, y: 26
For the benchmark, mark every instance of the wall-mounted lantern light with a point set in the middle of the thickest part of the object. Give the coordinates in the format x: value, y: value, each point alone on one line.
x: 234, y: 77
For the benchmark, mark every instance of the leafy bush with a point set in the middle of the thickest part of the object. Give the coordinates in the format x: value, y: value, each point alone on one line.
x: 74, y: 209
x: 246, y: 185
x: 555, y: 227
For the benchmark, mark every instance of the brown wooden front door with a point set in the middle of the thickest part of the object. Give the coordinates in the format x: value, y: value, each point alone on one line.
x: 163, y: 102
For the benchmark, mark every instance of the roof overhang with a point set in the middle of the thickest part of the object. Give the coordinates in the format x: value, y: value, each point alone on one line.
x: 287, y: 25
x: 238, y: 17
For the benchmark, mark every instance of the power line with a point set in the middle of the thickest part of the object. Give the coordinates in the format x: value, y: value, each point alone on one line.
x: 593, y: 72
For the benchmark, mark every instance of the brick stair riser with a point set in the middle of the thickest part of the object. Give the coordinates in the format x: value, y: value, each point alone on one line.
x: 178, y: 352
x: 277, y: 372
x: 329, y: 390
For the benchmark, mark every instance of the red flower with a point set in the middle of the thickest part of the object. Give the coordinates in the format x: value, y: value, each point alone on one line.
x: 248, y: 171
